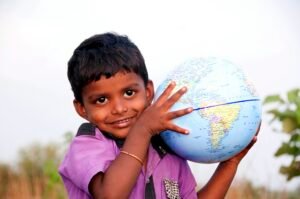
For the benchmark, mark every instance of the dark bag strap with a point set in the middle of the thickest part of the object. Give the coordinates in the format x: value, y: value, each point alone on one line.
x: 149, y: 190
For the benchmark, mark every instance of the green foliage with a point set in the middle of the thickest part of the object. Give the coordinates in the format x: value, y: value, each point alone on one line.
x: 287, y: 112
x: 36, y: 172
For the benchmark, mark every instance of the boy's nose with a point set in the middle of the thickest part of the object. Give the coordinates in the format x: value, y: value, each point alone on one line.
x: 119, y: 107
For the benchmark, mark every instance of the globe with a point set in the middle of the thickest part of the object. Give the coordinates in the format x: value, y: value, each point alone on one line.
x: 226, y: 110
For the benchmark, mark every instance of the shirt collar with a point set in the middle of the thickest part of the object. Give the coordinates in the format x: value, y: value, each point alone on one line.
x: 156, y: 141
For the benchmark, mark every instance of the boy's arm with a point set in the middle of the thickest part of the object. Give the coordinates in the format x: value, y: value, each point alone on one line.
x: 219, y: 183
x: 120, y: 177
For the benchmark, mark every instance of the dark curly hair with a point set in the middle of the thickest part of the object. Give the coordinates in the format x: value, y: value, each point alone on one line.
x: 104, y: 55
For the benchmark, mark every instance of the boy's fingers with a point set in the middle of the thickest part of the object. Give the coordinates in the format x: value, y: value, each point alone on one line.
x: 178, y: 129
x: 179, y: 113
x: 175, y: 97
x: 175, y: 114
x: 166, y: 93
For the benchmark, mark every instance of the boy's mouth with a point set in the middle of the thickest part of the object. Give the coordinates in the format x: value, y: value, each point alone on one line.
x: 122, y: 123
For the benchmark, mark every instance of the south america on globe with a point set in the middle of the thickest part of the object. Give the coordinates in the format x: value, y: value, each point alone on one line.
x: 226, y: 110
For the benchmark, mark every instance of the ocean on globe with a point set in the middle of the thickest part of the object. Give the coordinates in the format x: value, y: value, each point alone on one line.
x: 226, y: 115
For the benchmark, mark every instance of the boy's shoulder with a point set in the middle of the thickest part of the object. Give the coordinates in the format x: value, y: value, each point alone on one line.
x: 157, y: 143
x: 90, y: 139
x: 89, y: 147
x: 89, y: 129
x: 86, y: 129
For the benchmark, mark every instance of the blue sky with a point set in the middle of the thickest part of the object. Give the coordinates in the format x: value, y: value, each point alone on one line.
x: 37, y: 38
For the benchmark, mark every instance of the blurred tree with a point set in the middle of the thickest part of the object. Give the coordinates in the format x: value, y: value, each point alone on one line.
x: 5, y: 174
x: 38, y: 163
x: 286, y: 110
x: 36, y: 173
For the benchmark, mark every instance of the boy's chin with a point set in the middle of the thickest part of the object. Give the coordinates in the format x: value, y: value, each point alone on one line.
x: 120, y: 134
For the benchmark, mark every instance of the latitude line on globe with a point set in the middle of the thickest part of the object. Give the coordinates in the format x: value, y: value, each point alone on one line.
x: 249, y: 100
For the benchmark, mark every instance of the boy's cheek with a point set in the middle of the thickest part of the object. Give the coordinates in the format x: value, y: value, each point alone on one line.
x: 97, y: 116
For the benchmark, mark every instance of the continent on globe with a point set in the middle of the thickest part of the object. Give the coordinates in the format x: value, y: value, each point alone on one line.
x: 227, y: 110
x: 221, y: 119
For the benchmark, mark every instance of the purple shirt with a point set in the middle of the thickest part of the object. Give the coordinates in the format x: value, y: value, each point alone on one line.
x: 90, y: 154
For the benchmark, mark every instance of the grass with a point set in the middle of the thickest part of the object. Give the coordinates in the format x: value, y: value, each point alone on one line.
x: 20, y: 185
x: 244, y: 189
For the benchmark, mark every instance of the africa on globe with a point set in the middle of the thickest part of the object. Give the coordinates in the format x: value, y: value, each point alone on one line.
x: 226, y: 110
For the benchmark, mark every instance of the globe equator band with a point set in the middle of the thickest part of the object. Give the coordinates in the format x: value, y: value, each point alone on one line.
x: 235, y: 102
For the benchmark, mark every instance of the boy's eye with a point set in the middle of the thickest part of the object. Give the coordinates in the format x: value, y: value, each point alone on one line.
x: 129, y: 93
x: 101, y: 100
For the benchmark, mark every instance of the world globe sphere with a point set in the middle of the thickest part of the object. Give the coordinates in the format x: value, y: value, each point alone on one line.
x: 226, y: 110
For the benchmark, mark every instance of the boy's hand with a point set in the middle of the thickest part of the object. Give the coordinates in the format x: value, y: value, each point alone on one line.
x: 237, y: 158
x: 157, y: 118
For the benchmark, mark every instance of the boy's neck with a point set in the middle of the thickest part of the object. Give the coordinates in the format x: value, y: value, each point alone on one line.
x: 156, y: 141
x: 119, y: 141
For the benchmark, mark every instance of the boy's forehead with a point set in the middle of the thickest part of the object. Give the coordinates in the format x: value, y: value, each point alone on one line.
x: 120, y: 79
x: 112, y: 85
x: 121, y: 75
x: 115, y: 74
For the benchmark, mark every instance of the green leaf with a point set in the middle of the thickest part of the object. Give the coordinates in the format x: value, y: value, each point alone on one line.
x: 287, y: 114
x: 283, y: 149
x: 293, y: 170
x: 272, y: 99
x: 295, y: 138
x: 293, y: 95
x: 287, y: 149
x: 275, y: 113
x: 297, y: 112
x: 289, y: 125
x: 281, y: 115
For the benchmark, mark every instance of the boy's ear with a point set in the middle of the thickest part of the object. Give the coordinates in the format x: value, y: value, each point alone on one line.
x: 79, y: 109
x: 149, y: 91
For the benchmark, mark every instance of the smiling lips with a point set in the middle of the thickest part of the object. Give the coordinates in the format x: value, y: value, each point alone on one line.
x: 122, y: 123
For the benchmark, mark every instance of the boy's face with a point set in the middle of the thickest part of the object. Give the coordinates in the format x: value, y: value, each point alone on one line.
x: 114, y: 104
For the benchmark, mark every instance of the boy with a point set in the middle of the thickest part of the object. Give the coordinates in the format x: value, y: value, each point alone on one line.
x: 119, y: 153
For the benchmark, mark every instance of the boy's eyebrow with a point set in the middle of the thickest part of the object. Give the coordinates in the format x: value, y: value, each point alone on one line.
x: 132, y: 85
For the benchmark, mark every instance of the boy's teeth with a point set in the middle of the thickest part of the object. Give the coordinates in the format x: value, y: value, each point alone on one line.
x: 122, y: 121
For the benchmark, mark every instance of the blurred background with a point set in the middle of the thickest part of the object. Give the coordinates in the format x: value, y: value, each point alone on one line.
x: 37, y: 38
